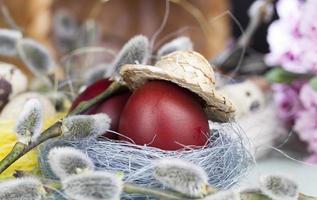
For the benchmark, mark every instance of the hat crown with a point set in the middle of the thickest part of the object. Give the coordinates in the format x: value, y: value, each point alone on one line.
x: 188, y: 63
x: 189, y: 70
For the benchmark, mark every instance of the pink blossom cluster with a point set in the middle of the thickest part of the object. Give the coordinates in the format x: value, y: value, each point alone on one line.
x: 293, y: 37
x: 293, y: 46
x: 306, y: 119
x: 297, y: 107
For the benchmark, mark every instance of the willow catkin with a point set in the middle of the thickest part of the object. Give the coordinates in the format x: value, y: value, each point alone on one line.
x: 84, y: 126
x: 136, y: 50
x: 35, y: 56
x: 67, y: 161
x: 93, y: 186
x: 29, y: 122
x: 279, y: 187
x: 178, y: 44
x: 8, y: 40
x: 184, y: 177
x: 28, y: 188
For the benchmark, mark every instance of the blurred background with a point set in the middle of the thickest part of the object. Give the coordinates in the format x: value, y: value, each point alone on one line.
x: 208, y: 23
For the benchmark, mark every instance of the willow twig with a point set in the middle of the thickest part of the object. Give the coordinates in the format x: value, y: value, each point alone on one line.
x: 161, y: 194
x: 54, y: 131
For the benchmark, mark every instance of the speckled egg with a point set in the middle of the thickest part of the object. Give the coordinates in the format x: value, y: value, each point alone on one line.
x: 15, y: 105
x: 12, y: 82
x: 5, y: 91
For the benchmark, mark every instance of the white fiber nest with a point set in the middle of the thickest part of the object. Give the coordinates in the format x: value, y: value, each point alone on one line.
x: 225, y: 157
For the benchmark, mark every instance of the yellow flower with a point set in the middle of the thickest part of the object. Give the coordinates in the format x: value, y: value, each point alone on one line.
x: 29, y: 162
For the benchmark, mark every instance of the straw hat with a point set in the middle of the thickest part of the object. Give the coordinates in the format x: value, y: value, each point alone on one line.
x: 189, y: 70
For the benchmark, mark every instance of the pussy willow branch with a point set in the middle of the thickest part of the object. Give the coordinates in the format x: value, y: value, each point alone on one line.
x: 171, y: 195
x: 21, y: 149
x: 130, y: 188
x: 158, y: 193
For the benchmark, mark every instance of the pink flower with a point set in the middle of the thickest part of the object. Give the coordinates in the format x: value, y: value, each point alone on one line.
x: 308, y: 26
x: 306, y: 121
x: 287, y: 101
x: 308, y: 97
x: 293, y: 37
x: 308, y: 55
x: 284, y: 46
x: 293, y: 45
x: 306, y: 125
x: 289, y: 9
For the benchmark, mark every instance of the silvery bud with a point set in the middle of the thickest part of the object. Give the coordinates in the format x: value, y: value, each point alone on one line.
x: 178, y: 44
x: 8, y: 40
x: 65, y: 30
x: 84, y: 126
x: 29, y: 123
x: 27, y: 188
x: 35, y: 56
x: 93, y: 186
x: 181, y: 176
x: 65, y: 25
x: 67, y: 161
x: 136, y: 50
x: 279, y: 187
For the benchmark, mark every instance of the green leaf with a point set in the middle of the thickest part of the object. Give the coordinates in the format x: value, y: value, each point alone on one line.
x: 279, y: 75
x: 313, y: 83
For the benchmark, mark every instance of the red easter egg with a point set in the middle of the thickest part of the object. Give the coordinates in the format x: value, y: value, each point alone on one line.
x: 112, y: 106
x: 91, y: 91
x: 163, y: 115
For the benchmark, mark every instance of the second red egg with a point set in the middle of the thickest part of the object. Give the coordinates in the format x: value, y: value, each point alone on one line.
x: 112, y: 106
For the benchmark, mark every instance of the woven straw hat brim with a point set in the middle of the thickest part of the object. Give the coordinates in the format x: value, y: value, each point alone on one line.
x: 218, y: 107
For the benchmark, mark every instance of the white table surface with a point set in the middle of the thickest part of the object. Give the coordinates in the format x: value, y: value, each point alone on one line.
x: 305, y: 175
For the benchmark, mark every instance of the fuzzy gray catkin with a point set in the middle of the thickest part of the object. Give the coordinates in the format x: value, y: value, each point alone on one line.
x: 8, y: 40
x: 84, y: 126
x: 178, y: 44
x: 65, y: 30
x: 35, y: 56
x: 21, y: 189
x: 93, y: 186
x: 181, y: 176
x: 67, y: 161
x: 29, y: 122
x: 136, y: 50
x: 65, y: 25
x: 279, y: 187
